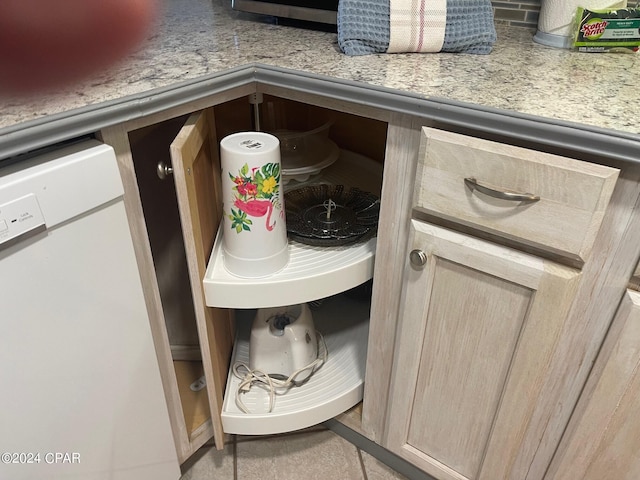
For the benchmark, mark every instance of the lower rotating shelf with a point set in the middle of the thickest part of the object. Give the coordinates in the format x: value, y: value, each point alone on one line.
x: 333, y: 389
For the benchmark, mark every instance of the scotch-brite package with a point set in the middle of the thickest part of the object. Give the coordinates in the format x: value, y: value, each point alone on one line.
x: 607, y: 30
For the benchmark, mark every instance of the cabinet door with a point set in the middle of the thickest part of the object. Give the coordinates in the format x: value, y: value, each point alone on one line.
x: 478, y: 323
x: 194, y: 155
x: 602, y: 438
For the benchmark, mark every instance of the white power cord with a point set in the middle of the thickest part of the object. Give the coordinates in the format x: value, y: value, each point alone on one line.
x: 257, y: 377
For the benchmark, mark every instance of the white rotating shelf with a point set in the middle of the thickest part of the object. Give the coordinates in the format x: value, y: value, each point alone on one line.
x: 312, y: 272
x: 334, y: 388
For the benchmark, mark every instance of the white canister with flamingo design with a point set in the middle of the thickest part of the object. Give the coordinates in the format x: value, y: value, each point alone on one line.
x: 254, y: 229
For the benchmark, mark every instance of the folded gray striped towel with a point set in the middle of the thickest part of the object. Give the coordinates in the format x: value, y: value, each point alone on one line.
x: 394, y: 26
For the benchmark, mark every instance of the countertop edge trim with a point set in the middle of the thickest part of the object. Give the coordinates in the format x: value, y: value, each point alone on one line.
x: 590, y: 140
x: 32, y: 135
x: 586, y: 139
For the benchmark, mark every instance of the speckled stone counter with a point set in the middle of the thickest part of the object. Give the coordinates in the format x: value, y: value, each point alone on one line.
x: 197, y: 39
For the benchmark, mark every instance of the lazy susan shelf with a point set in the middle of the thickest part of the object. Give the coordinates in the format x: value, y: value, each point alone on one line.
x: 331, y: 390
x: 312, y: 272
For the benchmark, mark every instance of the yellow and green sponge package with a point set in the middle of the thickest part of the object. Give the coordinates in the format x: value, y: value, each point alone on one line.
x: 607, y: 30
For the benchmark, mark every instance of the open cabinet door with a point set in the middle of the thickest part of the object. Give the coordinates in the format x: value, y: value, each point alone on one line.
x: 194, y: 155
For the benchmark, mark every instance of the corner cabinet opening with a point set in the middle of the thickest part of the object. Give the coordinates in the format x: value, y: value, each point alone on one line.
x: 329, y: 277
x: 208, y: 312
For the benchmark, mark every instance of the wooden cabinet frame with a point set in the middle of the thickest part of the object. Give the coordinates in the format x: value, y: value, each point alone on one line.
x: 196, y: 174
x: 603, y: 281
x: 601, y: 440
x: 196, y: 170
x: 187, y: 442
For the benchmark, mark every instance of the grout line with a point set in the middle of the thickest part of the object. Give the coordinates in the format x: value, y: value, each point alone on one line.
x: 235, y: 458
x: 364, y: 470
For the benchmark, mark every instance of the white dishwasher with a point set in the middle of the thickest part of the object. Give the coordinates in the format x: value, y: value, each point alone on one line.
x: 80, y: 390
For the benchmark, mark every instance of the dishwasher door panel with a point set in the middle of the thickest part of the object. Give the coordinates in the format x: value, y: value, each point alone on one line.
x: 81, y: 391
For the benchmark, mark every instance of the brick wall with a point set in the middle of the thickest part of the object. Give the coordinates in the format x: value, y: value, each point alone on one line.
x: 517, y: 13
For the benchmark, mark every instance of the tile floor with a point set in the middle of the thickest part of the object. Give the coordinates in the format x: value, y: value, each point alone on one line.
x: 313, y: 454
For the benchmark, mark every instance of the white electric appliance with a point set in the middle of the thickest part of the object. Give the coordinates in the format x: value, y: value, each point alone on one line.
x: 80, y: 390
x: 283, y: 343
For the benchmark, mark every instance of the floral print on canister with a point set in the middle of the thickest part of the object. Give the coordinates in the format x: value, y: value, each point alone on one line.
x: 256, y: 194
x: 254, y: 235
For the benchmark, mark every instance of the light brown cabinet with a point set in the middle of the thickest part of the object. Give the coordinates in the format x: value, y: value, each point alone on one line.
x: 196, y: 170
x: 493, y: 294
x: 479, y: 322
x: 470, y: 357
x: 603, y: 437
x: 545, y: 202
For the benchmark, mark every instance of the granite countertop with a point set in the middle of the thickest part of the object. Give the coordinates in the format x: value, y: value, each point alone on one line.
x: 198, y: 39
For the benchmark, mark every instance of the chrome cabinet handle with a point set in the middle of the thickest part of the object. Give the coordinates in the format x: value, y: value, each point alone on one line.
x: 418, y: 258
x: 473, y: 184
x: 163, y: 170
